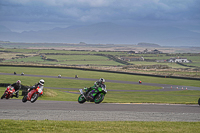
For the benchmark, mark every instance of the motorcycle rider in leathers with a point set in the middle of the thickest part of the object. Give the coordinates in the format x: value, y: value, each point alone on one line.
x: 98, y: 83
x: 40, y: 84
x: 17, y: 87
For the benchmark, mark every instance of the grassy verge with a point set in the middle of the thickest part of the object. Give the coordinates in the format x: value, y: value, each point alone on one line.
x: 184, y: 96
x: 50, y: 126
x: 70, y: 83
x: 97, y: 75
x: 177, y: 97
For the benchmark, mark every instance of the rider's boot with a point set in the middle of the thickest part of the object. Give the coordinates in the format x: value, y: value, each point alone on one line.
x: 17, y: 94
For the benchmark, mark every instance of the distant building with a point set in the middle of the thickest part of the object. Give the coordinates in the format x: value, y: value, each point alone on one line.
x: 180, y: 60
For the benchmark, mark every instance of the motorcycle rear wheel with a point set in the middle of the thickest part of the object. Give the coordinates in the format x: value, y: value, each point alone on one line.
x: 3, y: 96
x: 24, y: 99
x: 199, y: 101
x: 98, y: 98
x: 34, y: 98
x: 81, y: 99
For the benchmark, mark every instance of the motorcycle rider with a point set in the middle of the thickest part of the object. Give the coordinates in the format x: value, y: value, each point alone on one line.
x: 17, y: 87
x: 40, y: 84
x: 98, y: 83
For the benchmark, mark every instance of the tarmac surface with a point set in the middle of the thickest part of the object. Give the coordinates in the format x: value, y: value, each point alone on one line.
x: 73, y: 111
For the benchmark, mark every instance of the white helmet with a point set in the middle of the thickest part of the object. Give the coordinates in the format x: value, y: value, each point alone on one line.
x: 41, y: 81
x: 102, y: 80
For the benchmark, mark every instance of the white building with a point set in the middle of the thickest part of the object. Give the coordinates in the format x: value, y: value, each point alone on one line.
x: 181, y: 60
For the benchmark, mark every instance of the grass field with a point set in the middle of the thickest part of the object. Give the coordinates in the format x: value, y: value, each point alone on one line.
x: 89, y: 58
x: 49, y: 126
x: 183, y: 96
x: 96, y: 75
x: 67, y: 60
x: 89, y: 55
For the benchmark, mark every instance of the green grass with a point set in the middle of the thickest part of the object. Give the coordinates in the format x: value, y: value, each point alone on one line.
x: 70, y: 83
x: 50, y: 126
x: 77, y: 57
x: 97, y: 75
x: 184, y: 96
x: 196, y: 64
x: 88, y: 58
x: 177, y: 97
x: 68, y: 60
x: 168, y: 72
x: 180, y: 97
x: 92, y: 63
x: 172, y: 65
x: 29, y: 59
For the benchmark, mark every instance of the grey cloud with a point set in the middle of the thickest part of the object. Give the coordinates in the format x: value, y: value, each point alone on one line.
x: 92, y: 11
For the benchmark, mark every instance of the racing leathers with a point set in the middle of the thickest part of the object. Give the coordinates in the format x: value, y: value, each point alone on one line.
x: 95, y: 86
x: 17, y: 87
x: 39, y: 87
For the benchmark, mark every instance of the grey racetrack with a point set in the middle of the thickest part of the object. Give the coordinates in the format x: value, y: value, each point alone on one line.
x: 73, y: 111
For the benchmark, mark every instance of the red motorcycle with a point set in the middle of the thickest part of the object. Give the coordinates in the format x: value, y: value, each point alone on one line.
x: 32, y: 96
x: 8, y: 92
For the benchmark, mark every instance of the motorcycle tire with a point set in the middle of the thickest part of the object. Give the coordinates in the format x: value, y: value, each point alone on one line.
x: 199, y: 101
x: 98, y: 98
x: 3, y: 96
x: 24, y: 99
x: 81, y: 99
x: 34, y: 98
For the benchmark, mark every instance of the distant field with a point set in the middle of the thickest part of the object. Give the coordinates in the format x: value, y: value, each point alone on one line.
x: 193, y: 57
x: 29, y: 59
x: 197, y: 64
x: 173, y: 65
x: 89, y: 58
x: 68, y: 60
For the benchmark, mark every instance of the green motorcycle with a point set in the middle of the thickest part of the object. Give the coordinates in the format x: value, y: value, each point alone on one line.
x: 95, y: 94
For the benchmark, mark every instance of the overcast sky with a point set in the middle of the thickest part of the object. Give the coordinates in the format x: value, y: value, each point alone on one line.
x: 25, y: 15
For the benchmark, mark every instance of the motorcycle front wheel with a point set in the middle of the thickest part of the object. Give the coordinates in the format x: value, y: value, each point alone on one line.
x: 199, y: 101
x: 98, y: 98
x: 81, y: 99
x: 3, y: 95
x: 34, y: 98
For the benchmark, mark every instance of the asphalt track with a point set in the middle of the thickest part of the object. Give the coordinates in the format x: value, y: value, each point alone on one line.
x: 73, y: 111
